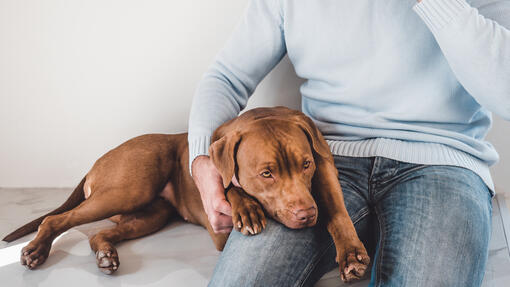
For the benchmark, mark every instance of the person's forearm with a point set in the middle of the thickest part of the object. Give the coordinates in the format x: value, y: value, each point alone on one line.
x: 476, y: 45
x: 216, y: 101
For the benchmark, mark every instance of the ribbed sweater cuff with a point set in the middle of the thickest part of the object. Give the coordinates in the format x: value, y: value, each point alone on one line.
x: 198, y: 145
x: 438, y: 13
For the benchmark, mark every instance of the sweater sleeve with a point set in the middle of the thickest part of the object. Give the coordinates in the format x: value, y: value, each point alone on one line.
x: 476, y: 43
x: 254, y: 48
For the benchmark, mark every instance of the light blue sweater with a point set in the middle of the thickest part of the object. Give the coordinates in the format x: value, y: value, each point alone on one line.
x: 392, y: 78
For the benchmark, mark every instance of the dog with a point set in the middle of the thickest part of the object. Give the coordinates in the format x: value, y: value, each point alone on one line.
x: 278, y: 156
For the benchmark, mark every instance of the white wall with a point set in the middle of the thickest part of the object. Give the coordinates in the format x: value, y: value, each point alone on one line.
x: 79, y: 77
x: 499, y: 136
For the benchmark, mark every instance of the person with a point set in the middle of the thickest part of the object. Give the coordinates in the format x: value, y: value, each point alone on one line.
x: 403, y: 92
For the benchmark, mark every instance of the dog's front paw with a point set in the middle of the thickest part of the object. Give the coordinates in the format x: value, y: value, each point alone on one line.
x: 249, y: 219
x: 247, y: 215
x: 353, y: 262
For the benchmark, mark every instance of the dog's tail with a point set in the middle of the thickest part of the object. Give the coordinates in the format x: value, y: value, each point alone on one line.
x: 74, y: 199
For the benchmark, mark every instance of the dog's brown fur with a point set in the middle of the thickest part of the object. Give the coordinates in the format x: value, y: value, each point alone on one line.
x: 277, y: 155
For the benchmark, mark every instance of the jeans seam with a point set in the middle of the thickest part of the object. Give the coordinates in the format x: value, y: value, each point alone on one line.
x: 380, y: 248
x: 310, y: 267
x: 385, y: 188
x: 370, y: 177
x: 360, y: 215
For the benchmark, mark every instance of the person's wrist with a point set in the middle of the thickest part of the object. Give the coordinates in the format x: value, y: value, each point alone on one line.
x: 198, y: 163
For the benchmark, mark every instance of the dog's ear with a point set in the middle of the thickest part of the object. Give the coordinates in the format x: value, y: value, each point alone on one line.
x: 317, y: 141
x: 223, y: 154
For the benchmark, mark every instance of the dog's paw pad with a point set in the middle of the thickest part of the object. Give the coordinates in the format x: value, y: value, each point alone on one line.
x: 353, y: 265
x: 107, y: 260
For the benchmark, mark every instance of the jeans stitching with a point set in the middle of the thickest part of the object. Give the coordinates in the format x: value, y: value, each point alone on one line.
x: 312, y: 265
x: 378, y: 260
x: 316, y: 260
x: 346, y: 184
x: 370, y: 177
x: 360, y: 215
x: 397, y: 179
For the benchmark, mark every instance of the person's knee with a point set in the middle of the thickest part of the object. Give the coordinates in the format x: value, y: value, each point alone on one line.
x: 278, y: 256
x: 437, y: 236
x: 448, y: 260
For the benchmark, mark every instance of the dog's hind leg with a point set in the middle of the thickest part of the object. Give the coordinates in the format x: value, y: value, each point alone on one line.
x: 99, y: 205
x: 148, y: 220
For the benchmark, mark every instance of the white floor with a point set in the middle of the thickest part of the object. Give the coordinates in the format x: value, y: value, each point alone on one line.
x: 180, y: 255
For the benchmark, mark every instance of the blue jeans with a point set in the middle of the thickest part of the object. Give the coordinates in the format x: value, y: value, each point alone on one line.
x: 423, y: 225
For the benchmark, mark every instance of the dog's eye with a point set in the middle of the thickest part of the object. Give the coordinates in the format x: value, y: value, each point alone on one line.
x: 307, y: 164
x: 266, y: 174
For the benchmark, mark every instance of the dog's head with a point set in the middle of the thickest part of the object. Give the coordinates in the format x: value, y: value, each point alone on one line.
x: 273, y: 153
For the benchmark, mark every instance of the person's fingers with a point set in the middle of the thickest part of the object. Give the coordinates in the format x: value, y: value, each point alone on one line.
x: 210, y: 185
x: 211, y: 198
x: 220, y: 223
x: 225, y: 230
x: 221, y: 205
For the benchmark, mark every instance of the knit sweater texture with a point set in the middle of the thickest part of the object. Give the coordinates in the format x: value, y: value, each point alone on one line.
x: 415, y: 82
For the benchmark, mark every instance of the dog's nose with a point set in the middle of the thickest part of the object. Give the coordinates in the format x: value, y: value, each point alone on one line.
x: 305, y: 214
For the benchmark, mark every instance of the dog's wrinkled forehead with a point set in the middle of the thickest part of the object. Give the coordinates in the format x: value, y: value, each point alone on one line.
x: 273, y: 141
x: 280, y: 133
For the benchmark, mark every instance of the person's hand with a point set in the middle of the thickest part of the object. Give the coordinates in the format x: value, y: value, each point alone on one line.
x: 210, y: 185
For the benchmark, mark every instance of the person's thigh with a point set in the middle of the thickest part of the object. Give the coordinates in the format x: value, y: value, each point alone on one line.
x: 279, y: 256
x: 434, y: 228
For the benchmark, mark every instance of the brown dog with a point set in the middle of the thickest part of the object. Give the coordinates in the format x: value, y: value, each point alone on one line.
x: 278, y: 156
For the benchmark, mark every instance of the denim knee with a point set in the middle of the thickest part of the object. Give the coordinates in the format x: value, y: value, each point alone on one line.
x: 278, y: 256
x: 435, y: 229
